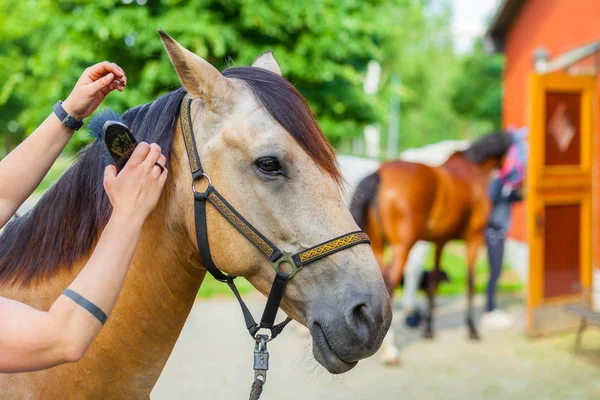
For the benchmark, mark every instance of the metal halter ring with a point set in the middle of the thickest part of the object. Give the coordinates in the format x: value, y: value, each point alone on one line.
x: 207, y: 178
x: 266, y: 338
x: 289, y: 259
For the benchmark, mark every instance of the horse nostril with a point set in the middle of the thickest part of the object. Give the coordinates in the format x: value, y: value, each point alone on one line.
x: 360, y: 321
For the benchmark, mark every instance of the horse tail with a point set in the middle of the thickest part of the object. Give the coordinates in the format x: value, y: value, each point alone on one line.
x: 364, y: 195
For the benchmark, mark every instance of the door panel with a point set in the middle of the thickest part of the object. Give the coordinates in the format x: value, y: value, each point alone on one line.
x: 563, y: 129
x: 561, y: 250
x: 559, y: 187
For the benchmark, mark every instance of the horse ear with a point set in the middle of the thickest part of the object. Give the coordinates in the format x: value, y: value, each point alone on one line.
x: 268, y: 62
x: 197, y: 76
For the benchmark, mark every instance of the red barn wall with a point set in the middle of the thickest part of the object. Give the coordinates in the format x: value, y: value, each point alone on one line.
x: 558, y: 26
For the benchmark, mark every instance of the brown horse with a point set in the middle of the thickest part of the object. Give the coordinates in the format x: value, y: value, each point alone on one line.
x: 239, y: 117
x: 404, y: 202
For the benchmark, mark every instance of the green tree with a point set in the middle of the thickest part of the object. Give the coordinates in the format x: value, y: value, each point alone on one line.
x: 477, y: 92
x: 323, y: 47
x: 425, y: 61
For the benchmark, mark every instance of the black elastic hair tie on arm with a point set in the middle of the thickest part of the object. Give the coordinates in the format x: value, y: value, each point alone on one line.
x: 88, y: 305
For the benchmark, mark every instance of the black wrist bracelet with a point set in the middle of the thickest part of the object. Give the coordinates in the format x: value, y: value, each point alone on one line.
x: 67, y: 119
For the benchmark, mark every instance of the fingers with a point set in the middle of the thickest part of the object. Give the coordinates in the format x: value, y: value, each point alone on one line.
x: 112, y: 86
x: 104, y: 68
x: 162, y: 160
x: 93, y: 86
x: 162, y: 178
x: 105, y: 77
x: 102, y: 83
x: 152, y: 157
x: 139, y: 154
x: 115, y: 85
x: 144, y: 159
x: 156, y: 170
x: 110, y: 173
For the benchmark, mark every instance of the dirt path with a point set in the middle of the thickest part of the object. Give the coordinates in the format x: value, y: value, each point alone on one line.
x: 213, y: 360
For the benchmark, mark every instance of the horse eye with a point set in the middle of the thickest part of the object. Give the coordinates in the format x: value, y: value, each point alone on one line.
x: 268, y: 165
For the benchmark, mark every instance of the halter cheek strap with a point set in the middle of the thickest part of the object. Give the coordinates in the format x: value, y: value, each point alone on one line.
x: 276, y: 256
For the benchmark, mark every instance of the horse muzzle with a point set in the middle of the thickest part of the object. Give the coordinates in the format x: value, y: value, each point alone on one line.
x: 345, y: 332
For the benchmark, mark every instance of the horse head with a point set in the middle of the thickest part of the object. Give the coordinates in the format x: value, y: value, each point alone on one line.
x: 490, y: 149
x: 263, y: 150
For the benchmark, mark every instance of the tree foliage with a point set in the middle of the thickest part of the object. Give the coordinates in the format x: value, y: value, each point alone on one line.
x: 477, y: 89
x: 426, y: 70
x: 323, y: 47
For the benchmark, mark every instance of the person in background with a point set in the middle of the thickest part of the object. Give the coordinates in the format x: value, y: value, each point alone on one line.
x: 504, y: 190
x: 32, y: 339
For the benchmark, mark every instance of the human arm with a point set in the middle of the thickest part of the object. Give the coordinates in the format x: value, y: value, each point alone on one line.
x: 31, y: 339
x: 22, y: 170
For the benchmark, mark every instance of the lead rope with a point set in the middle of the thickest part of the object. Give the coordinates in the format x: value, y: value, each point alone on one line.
x: 257, y: 388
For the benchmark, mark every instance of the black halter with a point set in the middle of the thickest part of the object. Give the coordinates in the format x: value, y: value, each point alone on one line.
x: 275, y: 255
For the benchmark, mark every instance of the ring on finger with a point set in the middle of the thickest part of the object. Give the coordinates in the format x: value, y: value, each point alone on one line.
x: 162, y: 169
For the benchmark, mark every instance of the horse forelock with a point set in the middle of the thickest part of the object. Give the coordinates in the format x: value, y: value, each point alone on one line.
x: 66, y: 221
x: 287, y: 106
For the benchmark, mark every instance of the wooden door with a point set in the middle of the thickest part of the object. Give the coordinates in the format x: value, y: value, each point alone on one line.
x: 559, y: 197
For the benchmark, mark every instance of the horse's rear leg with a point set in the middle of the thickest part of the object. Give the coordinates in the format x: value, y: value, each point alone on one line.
x: 394, y: 273
x: 389, y: 351
x: 473, y: 245
x: 431, y: 289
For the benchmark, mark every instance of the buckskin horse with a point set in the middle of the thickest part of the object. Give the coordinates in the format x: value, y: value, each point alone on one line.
x: 262, y: 147
x: 403, y: 202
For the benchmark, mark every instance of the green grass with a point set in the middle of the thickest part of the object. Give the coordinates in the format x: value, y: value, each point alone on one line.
x: 211, y: 287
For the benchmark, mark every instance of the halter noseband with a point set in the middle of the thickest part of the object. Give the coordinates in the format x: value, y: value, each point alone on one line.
x: 276, y: 256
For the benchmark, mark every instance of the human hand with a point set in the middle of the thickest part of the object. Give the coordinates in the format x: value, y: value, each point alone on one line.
x: 135, y: 191
x: 93, y: 86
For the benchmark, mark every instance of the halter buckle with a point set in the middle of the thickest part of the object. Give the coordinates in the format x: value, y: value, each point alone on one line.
x: 261, y: 358
x: 286, y: 258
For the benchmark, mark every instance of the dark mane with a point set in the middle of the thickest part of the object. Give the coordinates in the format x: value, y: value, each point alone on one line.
x: 493, y: 145
x: 65, y: 223
x: 287, y: 106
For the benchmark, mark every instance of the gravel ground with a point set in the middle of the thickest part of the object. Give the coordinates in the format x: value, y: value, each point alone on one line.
x: 213, y: 360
